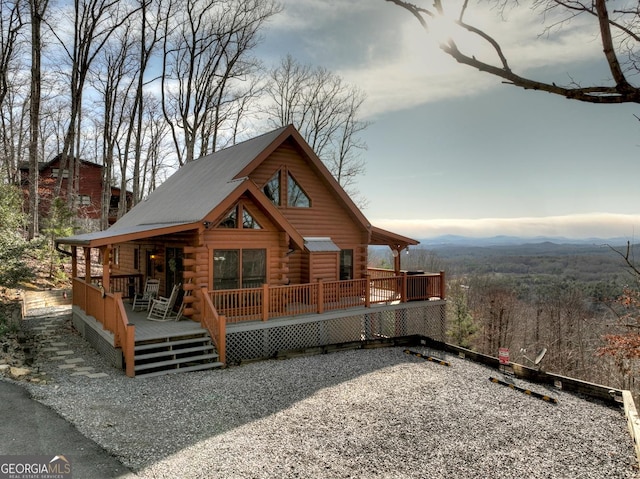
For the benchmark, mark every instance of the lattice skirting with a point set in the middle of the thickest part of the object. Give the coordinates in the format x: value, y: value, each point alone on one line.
x: 258, y: 340
x: 100, y: 339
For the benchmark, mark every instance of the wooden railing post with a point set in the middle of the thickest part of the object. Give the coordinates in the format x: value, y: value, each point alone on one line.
x: 129, y: 345
x: 367, y: 292
x: 403, y: 288
x: 215, y: 323
x: 265, y: 302
x: 222, y: 339
x: 320, y: 297
x: 442, y: 283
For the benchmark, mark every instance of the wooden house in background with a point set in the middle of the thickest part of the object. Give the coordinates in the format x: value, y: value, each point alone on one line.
x: 269, y: 253
x: 88, y: 202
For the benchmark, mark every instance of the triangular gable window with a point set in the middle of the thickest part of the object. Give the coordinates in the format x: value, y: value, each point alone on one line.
x: 272, y: 189
x: 295, y: 194
x: 249, y: 222
x: 239, y: 211
x: 231, y: 220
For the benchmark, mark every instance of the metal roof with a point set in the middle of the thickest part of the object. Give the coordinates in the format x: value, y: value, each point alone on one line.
x: 320, y: 245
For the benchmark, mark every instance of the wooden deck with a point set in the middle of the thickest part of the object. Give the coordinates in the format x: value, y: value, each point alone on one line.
x: 147, y: 330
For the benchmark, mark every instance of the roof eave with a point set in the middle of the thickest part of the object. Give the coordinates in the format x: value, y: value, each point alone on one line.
x: 117, y: 238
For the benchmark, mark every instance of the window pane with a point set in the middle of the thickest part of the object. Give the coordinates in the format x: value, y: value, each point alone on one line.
x: 231, y: 220
x: 254, y: 267
x: 296, y: 197
x: 225, y: 269
x: 249, y: 221
x: 272, y: 189
x: 346, y: 264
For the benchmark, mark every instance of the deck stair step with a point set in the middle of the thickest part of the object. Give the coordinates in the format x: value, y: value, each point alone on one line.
x: 182, y: 369
x: 174, y: 352
x: 171, y: 343
x: 179, y: 352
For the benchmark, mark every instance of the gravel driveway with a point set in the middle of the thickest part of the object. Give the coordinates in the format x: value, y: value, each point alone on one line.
x: 362, y: 413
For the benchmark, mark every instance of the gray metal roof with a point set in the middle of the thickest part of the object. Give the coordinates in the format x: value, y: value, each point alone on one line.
x: 320, y: 245
x: 198, y: 187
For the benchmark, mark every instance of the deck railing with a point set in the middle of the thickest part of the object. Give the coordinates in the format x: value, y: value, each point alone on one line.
x: 108, y: 310
x: 215, y: 324
x: 269, y: 302
x: 127, y: 284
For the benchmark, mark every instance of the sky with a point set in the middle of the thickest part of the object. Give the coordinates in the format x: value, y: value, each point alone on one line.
x: 454, y: 151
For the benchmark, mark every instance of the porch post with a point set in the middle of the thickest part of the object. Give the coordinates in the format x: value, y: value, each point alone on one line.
x: 442, y: 287
x: 106, y: 273
x: 74, y: 262
x: 87, y: 265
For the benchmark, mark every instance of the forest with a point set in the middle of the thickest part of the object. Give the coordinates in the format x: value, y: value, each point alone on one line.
x: 571, y: 299
x: 142, y: 87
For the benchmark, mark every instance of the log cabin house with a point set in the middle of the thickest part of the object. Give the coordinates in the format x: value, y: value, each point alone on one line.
x: 270, y: 254
x: 89, y: 199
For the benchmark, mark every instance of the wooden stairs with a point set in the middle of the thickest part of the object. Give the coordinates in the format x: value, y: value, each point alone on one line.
x: 176, y: 353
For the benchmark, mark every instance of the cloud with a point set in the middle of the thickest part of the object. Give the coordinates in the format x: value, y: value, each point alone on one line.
x: 383, y: 50
x: 579, y: 226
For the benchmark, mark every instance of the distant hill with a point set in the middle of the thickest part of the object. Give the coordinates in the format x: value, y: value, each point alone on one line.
x: 503, y: 240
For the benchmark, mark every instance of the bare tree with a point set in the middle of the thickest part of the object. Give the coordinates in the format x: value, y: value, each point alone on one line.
x: 94, y: 22
x: 14, y: 126
x: 38, y: 10
x: 206, y: 52
x: 11, y: 115
x: 325, y: 110
x: 151, y: 33
x: 11, y: 23
x: 114, y: 80
x: 618, y: 26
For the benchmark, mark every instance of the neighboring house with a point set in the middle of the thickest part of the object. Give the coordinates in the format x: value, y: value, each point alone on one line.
x: 270, y: 253
x: 88, y: 201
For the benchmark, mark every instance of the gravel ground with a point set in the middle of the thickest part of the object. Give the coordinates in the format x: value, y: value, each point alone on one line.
x: 364, y: 413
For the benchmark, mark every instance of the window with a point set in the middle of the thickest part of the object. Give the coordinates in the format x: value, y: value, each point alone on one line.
x: 249, y: 222
x: 235, y: 268
x: 83, y: 200
x: 295, y: 195
x: 136, y: 259
x: 346, y: 264
x: 272, y: 189
x: 231, y: 220
x: 55, y: 173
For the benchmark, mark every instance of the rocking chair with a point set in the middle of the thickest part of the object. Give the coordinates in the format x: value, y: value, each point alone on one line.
x: 143, y: 300
x: 162, y: 308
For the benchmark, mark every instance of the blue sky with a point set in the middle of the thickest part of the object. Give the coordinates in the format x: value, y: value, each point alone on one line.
x: 454, y: 151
